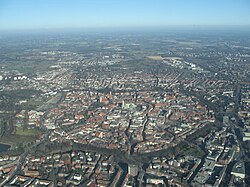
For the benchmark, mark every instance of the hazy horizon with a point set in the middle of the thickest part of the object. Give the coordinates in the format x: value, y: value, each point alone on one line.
x: 148, y: 29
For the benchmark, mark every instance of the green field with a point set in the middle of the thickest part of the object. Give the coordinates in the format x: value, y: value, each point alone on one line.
x: 32, y: 105
x: 15, y: 139
x: 22, y: 135
x: 28, y: 67
x: 27, y: 132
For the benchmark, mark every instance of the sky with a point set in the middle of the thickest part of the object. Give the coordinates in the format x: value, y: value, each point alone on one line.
x: 54, y: 14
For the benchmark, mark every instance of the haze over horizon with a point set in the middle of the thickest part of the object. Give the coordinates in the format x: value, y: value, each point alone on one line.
x: 45, y: 14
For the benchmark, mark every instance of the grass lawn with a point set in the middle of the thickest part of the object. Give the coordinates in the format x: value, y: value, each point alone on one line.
x: 27, y: 132
x: 14, y: 139
x: 32, y: 104
x: 22, y: 136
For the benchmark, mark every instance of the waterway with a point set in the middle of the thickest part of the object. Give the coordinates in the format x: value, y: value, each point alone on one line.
x: 4, y: 147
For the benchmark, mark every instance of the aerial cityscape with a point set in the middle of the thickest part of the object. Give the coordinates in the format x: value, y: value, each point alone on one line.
x: 127, y: 107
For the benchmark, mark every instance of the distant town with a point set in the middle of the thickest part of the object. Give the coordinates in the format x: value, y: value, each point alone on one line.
x: 125, y: 109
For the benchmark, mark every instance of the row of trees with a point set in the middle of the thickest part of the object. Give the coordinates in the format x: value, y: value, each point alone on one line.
x: 6, y: 125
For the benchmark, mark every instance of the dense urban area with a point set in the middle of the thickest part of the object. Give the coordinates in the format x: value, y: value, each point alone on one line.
x: 165, y: 108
